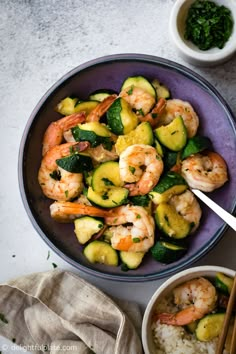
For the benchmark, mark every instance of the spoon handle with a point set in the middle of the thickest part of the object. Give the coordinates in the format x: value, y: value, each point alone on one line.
x: 223, y: 214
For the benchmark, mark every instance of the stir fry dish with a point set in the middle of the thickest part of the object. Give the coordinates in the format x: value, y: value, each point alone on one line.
x: 121, y: 165
x: 194, y: 314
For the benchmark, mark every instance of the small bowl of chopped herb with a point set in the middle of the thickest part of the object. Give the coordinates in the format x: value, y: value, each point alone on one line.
x: 203, y: 31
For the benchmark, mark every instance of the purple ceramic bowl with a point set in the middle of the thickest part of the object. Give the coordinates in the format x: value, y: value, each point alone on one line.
x: 216, y: 122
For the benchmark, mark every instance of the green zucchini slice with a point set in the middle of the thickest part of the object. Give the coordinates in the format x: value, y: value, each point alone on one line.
x: 196, y: 144
x: 210, y: 327
x: 94, y: 132
x: 141, y: 82
x: 170, y: 159
x: 120, y: 117
x: 223, y: 283
x: 101, y: 252
x: 106, y: 176
x: 142, y: 134
x: 86, y: 106
x: 173, y: 135
x: 76, y: 163
x: 132, y: 260
x: 67, y: 106
x: 110, y: 198
x: 161, y: 89
x: 170, y: 222
x: 159, y: 148
x: 170, y: 184
x: 86, y: 227
x: 166, y: 252
x: 100, y: 95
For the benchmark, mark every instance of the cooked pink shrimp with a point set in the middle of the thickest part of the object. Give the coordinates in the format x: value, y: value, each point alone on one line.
x: 57, y: 183
x: 155, y: 113
x: 54, y: 133
x: 67, y: 211
x: 205, y: 172
x: 176, y: 108
x: 141, y: 166
x: 139, y: 236
x: 186, y: 205
x: 138, y: 98
x: 197, y: 297
x: 100, y: 109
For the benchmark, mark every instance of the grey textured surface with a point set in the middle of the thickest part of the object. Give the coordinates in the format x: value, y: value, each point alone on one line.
x: 39, y: 42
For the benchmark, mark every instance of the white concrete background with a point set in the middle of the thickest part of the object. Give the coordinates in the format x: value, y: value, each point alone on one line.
x: 39, y: 42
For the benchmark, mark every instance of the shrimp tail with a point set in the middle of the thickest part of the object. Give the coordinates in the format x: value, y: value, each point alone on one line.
x: 180, y: 318
x: 153, y: 116
x: 65, y: 212
x: 100, y: 109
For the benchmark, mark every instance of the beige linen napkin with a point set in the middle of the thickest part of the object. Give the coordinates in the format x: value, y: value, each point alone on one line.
x: 59, y: 312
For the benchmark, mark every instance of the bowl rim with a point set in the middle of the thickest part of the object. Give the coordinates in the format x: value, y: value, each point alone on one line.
x: 102, y: 60
x: 191, y: 272
x: 204, y: 57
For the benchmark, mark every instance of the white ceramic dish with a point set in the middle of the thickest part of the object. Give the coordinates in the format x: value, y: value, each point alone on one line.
x: 165, y: 288
x: 187, y: 50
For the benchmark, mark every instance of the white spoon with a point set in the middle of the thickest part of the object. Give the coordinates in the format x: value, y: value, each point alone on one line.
x: 223, y: 214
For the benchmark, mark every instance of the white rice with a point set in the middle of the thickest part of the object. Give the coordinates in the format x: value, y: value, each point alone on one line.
x: 174, y: 339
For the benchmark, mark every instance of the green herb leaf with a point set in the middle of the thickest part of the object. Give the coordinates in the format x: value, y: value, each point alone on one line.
x: 55, y: 175
x: 54, y: 265
x: 132, y: 169
x: 136, y: 239
x: 130, y: 91
x: 107, y: 182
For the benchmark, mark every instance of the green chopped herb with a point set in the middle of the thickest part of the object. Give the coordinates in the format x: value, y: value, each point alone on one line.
x: 130, y: 91
x: 124, y: 267
x: 54, y: 265
x: 3, y: 318
x: 175, y: 131
x: 55, y: 175
x: 132, y: 169
x: 107, y: 182
x: 105, y: 196
x: 138, y: 216
x: 136, y: 239
x: 100, y: 226
x: 140, y: 111
x: 141, y: 200
x: 208, y: 25
x: 154, y: 115
x: 66, y: 193
x: 113, y: 201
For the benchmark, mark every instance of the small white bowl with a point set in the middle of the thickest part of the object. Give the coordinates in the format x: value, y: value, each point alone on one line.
x: 166, y: 288
x: 187, y: 50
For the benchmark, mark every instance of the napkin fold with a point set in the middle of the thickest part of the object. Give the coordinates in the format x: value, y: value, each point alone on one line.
x: 59, y: 312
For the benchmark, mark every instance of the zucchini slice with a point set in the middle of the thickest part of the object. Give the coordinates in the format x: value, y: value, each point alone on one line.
x: 110, y: 198
x: 94, y: 132
x: 76, y: 163
x: 120, y: 117
x: 86, y: 227
x: 210, y: 326
x: 86, y: 106
x: 141, y: 82
x: 100, y: 95
x: 161, y: 89
x: 101, y: 252
x: 173, y: 135
x: 142, y: 134
x: 67, y: 106
x: 223, y: 283
x: 196, y: 144
x: 170, y: 159
x: 166, y: 252
x: 170, y: 222
x: 132, y: 260
x: 170, y: 184
x: 159, y: 148
x: 106, y: 176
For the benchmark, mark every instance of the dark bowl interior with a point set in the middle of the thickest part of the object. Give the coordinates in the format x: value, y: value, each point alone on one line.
x: 216, y: 122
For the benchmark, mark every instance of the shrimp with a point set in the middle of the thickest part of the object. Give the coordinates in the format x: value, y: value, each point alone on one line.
x: 141, y: 166
x: 139, y: 236
x: 197, y: 297
x: 187, y: 206
x: 176, y: 108
x: 205, y: 172
x: 54, y: 133
x: 65, y: 212
x: 57, y: 183
x: 153, y: 116
x: 138, y: 98
x: 100, y: 109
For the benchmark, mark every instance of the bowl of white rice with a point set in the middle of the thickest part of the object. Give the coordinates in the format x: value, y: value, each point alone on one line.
x: 159, y: 338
